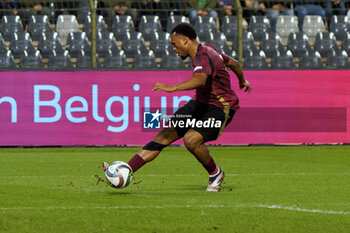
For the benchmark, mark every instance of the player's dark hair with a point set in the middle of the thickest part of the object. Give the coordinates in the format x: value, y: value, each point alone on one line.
x: 185, y: 29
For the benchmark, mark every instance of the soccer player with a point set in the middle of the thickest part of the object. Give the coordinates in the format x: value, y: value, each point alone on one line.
x: 214, y: 100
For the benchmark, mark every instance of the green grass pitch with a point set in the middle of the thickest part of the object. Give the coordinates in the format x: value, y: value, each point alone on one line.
x: 276, y: 189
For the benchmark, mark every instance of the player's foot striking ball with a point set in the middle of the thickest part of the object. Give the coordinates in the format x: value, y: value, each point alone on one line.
x: 214, y: 103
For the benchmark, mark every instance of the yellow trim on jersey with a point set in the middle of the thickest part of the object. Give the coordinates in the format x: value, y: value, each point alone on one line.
x: 226, y: 111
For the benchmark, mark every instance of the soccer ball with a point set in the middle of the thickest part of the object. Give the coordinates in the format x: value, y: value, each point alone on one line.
x: 119, y: 174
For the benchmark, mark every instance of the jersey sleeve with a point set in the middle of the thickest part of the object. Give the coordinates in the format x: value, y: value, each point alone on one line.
x: 205, y: 65
x: 225, y: 58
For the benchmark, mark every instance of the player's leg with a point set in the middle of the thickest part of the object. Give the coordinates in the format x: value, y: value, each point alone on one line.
x: 153, y: 148
x: 194, y: 142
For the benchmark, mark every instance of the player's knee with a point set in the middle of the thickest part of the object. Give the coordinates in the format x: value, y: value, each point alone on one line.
x: 191, y: 141
x: 165, y: 138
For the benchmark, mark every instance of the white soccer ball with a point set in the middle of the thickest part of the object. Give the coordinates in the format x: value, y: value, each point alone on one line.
x: 119, y: 174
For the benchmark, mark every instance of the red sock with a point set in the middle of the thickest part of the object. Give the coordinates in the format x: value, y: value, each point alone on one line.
x: 136, y: 162
x: 211, y: 167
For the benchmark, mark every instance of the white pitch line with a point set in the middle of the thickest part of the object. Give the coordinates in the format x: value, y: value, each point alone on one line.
x: 297, y: 209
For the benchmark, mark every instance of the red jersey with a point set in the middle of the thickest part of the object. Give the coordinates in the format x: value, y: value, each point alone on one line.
x: 217, y: 90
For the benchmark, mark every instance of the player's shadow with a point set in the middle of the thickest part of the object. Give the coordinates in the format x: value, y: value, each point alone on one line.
x: 116, y: 193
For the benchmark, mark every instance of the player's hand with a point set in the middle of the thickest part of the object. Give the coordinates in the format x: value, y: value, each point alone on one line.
x: 162, y: 87
x: 246, y: 85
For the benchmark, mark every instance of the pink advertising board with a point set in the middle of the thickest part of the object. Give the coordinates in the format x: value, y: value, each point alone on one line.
x: 106, y: 107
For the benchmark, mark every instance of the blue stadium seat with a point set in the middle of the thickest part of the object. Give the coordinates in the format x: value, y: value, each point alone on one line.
x: 37, y: 25
x: 31, y: 60
x: 258, y: 26
x: 84, y: 60
x: 116, y: 61
x: 298, y: 44
x: 338, y: 59
x: 311, y: 60
x: 160, y: 43
x: 100, y: 25
x: 105, y: 42
x: 60, y: 60
x: 9, y: 25
x: 122, y: 24
x: 49, y: 42
x: 171, y: 61
x: 256, y: 61
x: 174, y: 20
x: 325, y: 43
x: 283, y: 61
x: 133, y: 44
x: 7, y: 60
x: 83, y: 11
x: 271, y: 44
x: 20, y: 43
x: 340, y: 26
x: 346, y: 43
x: 148, y: 25
x: 3, y: 48
x: 205, y: 28
x: 76, y: 42
x: 229, y: 27
x: 145, y: 61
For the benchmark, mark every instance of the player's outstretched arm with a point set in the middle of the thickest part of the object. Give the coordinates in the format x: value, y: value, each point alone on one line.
x: 236, y: 68
x: 198, y: 80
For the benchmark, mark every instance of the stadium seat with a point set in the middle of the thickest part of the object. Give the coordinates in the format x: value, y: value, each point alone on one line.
x: 31, y: 60
x: 100, y: 25
x: 133, y: 44
x: 174, y: 20
x: 37, y: 25
x: 84, y: 60
x: 229, y: 27
x: 160, y: 43
x: 105, y: 42
x: 285, y: 25
x: 9, y: 25
x: 149, y: 24
x: 76, y: 42
x: 66, y: 24
x: 7, y: 60
x: 311, y: 60
x: 116, y: 61
x: 258, y: 26
x: 222, y: 46
x: 247, y: 43
x: 3, y: 48
x: 20, y: 43
x: 339, y: 25
x: 60, y: 60
x: 271, y: 44
x: 338, y: 59
x: 346, y: 43
x: 205, y: 28
x: 145, y: 60
x: 298, y: 43
x: 256, y: 61
x: 122, y: 24
x: 312, y: 25
x: 284, y: 61
x: 172, y: 62
x: 49, y: 42
x: 325, y: 43
x: 83, y: 11
x: 206, y: 22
